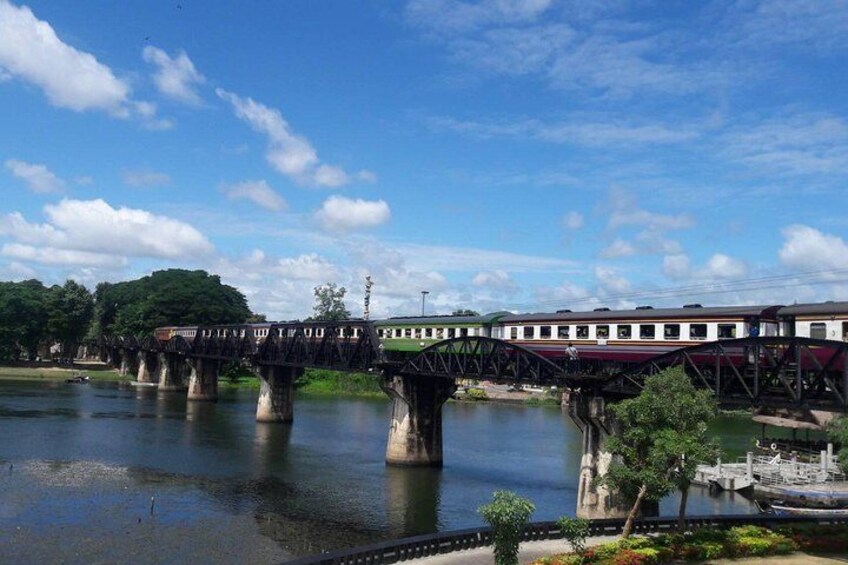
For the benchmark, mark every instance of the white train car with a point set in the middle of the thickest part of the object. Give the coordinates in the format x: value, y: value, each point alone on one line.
x: 826, y: 320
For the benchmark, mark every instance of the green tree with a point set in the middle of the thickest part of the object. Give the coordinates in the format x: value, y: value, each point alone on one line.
x: 69, y: 309
x: 465, y: 312
x: 837, y: 432
x: 575, y: 531
x: 329, y: 303
x: 662, y: 439
x: 508, y: 513
x: 174, y: 297
x: 23, y: 318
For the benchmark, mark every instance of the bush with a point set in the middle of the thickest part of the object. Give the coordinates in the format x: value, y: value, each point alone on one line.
x: 575, y: 531
x: 508, y: 513
x: 476, y: 394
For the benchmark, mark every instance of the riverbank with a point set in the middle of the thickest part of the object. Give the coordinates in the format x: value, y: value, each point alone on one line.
x: 98, y: 372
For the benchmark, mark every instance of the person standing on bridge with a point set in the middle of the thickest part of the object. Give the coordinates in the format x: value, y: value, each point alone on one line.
x: 572, y: 357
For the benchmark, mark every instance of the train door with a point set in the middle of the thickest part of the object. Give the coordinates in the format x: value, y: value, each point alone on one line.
x: 844, y: 331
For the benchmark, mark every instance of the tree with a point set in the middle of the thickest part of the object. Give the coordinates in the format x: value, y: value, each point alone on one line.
x: 508, y: 513
x: 662, y: 440
x: 174, y: 297
x: 23, y: 318
x: 329, y: 303
x: 465, y: 312
x: 69, y: 309
x: 256, y: 319
x: 837, y: 432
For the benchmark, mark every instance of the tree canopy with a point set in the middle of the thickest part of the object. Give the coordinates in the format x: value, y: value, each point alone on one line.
x: 329, y: 303
x: 174, y: 297
x: 663, y: 438
x: 465, y: 312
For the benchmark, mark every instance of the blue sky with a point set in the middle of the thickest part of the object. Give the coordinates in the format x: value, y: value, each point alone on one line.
x: 502, y: 154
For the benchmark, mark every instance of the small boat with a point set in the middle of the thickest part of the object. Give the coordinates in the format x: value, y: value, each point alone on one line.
x: 78, y: 379
x: 784, y: 510
x: 138, y: 384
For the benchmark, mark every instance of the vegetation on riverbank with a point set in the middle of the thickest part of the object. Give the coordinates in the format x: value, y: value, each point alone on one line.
x: 708, y: 544
x: 321, y: 381
x: 96, y: 373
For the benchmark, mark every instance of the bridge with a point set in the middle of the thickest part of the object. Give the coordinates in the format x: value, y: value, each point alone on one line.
x: 797, y: 373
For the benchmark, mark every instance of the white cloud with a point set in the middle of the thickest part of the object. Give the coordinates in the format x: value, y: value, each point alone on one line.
x: 38, y: 178
x: 808, y: 248
x: 573, y: 220
x: 618, y: 248
x: 311, y: 267
x: 626, y: 212
x: 610, y: 280
x: 31, y: 50
x: 454, y: 15
x: 342, y: 214
x: 676, y: 266
x: 366, y: 176
x: 497, y: 280
x: 288, y: 153
x: 55, y: 256
x: 144, y: 178
x: 257, y: 191
x: 176, y: 78
x: 720, y: 266
x: 84, y: 180
x: 94, y: 226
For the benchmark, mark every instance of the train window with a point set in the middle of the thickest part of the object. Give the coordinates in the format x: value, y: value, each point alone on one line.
x: 545, y: 332
x: 582, y: 332
x: 451, y: 333
x: 697, y: 331
x: 513, y: 332
x: 602, y: 332
x: 440, y: 333
x: 671, y: 331
x: 308, y: 332
x: 407, y: 333
x: 726, y: 331
x: 380, y: 333
x: 463, y: 332
x: 528, y: 332
x: 563, y: 332
x: 647, y: 331
x: 818, y: 331
x: 625, y: 331
x: 428, y: 332
x: 417, y: 333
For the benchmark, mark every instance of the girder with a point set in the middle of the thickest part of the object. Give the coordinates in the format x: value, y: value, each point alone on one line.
x: 763, y: 371
x: 328, y: 345
x: 482, y: 358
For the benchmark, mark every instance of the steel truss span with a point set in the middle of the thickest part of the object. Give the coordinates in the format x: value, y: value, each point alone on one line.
x: 790, y: 372
x: 483, y: 358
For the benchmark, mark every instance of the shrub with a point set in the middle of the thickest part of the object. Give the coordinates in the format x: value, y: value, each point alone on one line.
x: 508, y: 513
x: 575, y: 531
x: 476, y: 394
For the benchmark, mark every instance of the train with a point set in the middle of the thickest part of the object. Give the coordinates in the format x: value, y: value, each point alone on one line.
x: 626, y: 336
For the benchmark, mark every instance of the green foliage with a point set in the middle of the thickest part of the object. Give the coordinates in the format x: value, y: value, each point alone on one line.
x: 663, y: 438
x: 507, y: 514
x: 837, y: 432
x: 329, y: 303
x: 465, y: 312
x: 322, y: 381
x: 575, y: 531
x: 174, y: 297
x: 69, y: 310
x: 475, y: 394
x: 23, y: 318
x: 234, y: 371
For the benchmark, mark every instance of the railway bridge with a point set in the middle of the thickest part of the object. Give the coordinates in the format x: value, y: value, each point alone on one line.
x: 776, y: 372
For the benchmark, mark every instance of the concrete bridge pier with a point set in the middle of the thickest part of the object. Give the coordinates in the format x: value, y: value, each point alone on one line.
x: 129, y: 363
x: 597, y: 424
x: 276, y: 392
x: 203, y: 382
x: 146, y: 367
x: 170, y: 372
x: 415, y: 434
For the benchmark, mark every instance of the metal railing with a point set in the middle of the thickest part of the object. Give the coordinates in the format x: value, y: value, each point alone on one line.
x: 395, y: 551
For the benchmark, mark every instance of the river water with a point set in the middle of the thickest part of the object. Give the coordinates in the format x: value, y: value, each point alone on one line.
x: 81, y: 466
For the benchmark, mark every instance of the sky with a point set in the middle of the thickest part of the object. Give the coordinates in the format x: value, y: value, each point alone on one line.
x: 523, y: 155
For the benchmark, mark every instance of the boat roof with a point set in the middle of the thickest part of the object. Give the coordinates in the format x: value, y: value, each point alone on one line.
x: 650, y: 313
x: 817, y: 308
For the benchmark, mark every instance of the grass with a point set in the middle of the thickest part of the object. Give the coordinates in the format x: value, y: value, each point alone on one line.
x: 542, y: 401
x: 321, y: 381
x: 95, y: 372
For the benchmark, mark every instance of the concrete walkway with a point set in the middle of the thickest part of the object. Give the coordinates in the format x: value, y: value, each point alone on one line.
x: 528, y: 552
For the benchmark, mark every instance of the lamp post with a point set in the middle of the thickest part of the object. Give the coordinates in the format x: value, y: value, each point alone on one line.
x: 424, y: 294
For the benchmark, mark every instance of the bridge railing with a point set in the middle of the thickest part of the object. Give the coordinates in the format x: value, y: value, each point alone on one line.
x: 395, y: 551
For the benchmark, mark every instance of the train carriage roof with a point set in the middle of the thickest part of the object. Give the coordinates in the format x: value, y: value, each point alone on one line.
x: 768, y: 312
x: 443, y: 320
x: 825, y: 308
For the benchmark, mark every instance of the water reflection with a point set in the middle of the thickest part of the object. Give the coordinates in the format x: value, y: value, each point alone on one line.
x: 412, y: 499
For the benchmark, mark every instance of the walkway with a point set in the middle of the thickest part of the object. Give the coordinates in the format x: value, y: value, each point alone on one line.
x: 529, y: 552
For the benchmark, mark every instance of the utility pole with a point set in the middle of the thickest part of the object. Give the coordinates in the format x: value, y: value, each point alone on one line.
x: 424, y: 294
x: 368, y: 285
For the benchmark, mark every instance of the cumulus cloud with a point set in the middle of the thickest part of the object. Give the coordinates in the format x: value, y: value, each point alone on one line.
x: 497, y: 280
x: 342, y: 214
x: 95, y: 227
x: 38, y: 178
x: 70, y: 78
x: 56, y: 256
x: 144, y: 178
x: 676, y: 266
x: 176, y: 77
x: 618, y: 248
x: 573, y: 220
x: 610, y: 281
x: 309, y: 267
x: 257, y: 191
x: 808, y: 248
x: 455, y: 15
x: 289, y: 153
x: 718, y: 267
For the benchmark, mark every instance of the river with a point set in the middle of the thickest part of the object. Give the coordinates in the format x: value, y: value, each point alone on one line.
x: 82, y: 465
